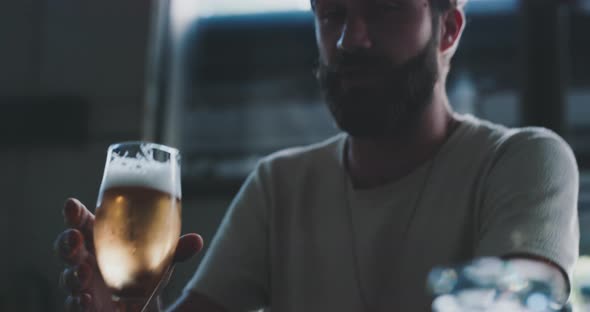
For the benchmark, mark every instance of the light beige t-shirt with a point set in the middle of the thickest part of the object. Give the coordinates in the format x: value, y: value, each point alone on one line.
x: 298, y: 237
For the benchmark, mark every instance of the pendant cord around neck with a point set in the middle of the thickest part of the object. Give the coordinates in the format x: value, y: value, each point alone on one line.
x: 367, y: 307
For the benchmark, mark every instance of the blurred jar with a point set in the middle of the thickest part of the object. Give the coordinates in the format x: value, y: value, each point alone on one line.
x: 491, y: 284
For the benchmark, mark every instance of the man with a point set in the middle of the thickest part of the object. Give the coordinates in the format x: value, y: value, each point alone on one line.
x: 355, y: 223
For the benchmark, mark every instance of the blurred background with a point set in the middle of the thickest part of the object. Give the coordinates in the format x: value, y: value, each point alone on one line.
x: 227, y: 81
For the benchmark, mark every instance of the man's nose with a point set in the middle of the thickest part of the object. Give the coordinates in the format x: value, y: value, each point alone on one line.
x: 355, y: 35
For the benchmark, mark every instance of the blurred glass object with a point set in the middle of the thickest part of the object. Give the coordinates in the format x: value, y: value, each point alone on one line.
x: 491, y: 284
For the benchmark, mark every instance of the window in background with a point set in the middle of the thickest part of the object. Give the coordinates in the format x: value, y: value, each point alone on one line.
x: 241, y: 7
x: 484, y: 77
x: 251, y: 91
x: 578, y: 92
x: 578, y: 112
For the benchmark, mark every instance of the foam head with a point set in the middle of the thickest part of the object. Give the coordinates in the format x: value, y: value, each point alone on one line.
x: 145, y: 165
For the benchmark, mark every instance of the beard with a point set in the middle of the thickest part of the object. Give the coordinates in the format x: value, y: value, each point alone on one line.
x: 392, y: 104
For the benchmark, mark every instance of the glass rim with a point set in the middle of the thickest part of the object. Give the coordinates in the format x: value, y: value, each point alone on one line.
x: 162, y: 147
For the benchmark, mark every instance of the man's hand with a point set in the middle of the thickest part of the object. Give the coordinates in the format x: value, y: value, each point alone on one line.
x: 81, y: 278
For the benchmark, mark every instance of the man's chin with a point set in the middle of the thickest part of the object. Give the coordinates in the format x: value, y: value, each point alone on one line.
x: 361, y: 84
x: 366, y: 129
x: 376, y: 126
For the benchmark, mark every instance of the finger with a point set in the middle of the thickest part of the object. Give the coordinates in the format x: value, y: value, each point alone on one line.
x: 69, y: 247
x: 77, y: 279
x: 77, y: 216
x: 188, y: 246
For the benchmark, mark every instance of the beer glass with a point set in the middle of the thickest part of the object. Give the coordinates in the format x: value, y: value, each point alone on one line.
x: 138, y: 219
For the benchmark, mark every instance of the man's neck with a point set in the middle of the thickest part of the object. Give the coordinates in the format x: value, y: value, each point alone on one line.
x: 375, y: 162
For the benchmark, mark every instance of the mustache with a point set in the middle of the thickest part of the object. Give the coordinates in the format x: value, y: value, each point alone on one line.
x: 344, y: 61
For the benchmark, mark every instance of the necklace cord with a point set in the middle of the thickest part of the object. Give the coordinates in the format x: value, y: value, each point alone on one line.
x: 452, y: 126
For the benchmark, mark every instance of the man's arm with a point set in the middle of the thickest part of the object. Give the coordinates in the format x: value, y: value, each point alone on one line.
x: 235, y: 272
x: 529, y: 209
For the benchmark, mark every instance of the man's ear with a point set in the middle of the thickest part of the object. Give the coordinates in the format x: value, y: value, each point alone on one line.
x: 452, y: 24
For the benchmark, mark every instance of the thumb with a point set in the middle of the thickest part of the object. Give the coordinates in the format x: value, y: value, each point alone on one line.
x: 188, y: 246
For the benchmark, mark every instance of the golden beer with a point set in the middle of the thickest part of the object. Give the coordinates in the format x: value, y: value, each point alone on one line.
x: 138, y: 219
x: 135, y: 235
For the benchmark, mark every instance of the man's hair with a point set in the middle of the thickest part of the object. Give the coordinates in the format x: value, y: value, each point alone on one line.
x: 438, y: 6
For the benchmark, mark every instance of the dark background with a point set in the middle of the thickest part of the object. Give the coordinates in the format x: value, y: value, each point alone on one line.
x: 76, y: 76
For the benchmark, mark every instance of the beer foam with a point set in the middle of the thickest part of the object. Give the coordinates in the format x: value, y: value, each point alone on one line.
x: 161, y: 176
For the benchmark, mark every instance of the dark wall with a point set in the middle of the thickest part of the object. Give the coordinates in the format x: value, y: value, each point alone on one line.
x: 93, y: 51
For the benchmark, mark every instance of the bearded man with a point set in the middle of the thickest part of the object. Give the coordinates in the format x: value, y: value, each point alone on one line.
x: 356, y: 222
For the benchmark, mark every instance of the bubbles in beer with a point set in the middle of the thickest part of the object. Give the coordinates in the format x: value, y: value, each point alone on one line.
x: 135, y: 234
x: 137, y: 219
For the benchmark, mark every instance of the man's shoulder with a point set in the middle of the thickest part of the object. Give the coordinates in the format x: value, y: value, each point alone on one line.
x: 296, y: 159
x: 537, y: 147
x: 327, y: 148
x: 531, y: 136
x: 501, y: 138
x: 518, y: 146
